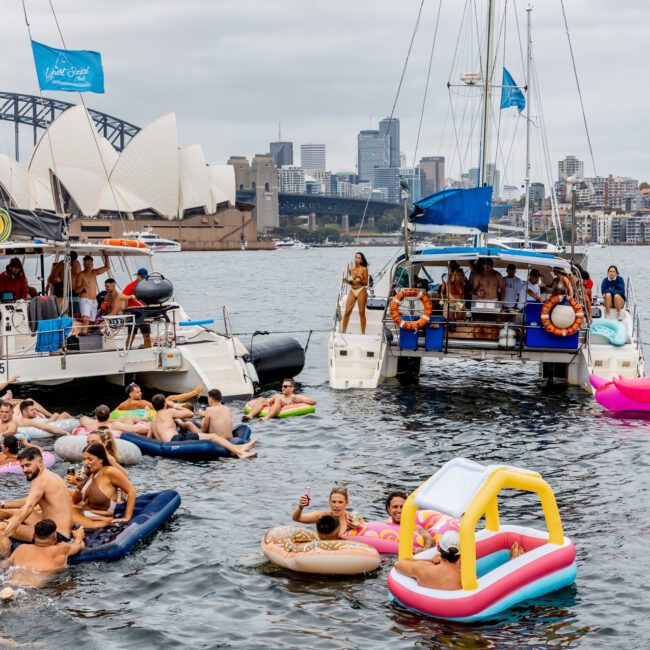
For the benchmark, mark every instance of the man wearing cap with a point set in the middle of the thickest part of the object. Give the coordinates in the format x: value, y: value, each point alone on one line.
x: 533, y: 290
x: 129, y: 294
x: 440, y: 572
x: 514, y: 288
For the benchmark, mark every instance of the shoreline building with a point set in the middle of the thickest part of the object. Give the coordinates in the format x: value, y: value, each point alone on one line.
x: 312, y: 156
x: 390, y: 127
x: 373, y: 151
x: 282, y: 153
x: 432, y: 174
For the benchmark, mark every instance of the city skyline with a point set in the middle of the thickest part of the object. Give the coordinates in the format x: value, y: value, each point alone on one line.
x: 220, y: 92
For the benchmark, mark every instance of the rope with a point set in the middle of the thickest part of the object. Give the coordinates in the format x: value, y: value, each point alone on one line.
x: 575, y: 74
x: 392, y: 112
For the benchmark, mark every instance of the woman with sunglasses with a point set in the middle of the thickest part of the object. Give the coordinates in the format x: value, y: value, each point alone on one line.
x: 277, y: 402
x: 339, y: 501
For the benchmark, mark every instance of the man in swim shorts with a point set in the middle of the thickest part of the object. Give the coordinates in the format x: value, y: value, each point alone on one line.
x: 274, y: 404
x: 217, y: 418
x: 86, y: 287
x: 47, y: 553
x: 164, y: 428
x: 48, y: 491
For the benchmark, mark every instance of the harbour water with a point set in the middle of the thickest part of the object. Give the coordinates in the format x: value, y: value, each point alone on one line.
x: 203, y: 582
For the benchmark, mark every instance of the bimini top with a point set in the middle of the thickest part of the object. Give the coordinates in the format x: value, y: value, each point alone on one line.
x: 445, y: 254
x: 54, y: 248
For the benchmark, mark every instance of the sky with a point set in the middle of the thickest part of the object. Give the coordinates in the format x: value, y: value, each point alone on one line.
x: 232, y: 70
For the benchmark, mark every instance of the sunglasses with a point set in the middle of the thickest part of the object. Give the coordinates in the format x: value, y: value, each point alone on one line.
x: 286, y: 386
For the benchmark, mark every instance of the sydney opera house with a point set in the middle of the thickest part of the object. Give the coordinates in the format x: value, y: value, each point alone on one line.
x: 151, y: 182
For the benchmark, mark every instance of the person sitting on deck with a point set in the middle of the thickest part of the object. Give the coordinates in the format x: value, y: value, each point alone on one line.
x: 488, y: 285
x: 46, y: 555
x: 561, y: 285
x: 168, y: 418
x: 30, y: 416
x: 13, y: 280
x: 613, y: 290
x: 276, y: 402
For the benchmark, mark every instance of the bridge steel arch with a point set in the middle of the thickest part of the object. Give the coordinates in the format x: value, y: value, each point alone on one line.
x: 40, y: 112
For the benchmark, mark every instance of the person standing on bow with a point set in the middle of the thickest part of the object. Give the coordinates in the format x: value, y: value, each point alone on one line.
x: 358, y: 281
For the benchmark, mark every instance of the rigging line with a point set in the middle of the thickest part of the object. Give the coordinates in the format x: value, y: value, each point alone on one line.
x: 426, y: 87
x: 502, y: 30
x: 453, y: 59
x: 392, y: 112
x: 521, y: 47
x: 575, y: 73
x: 91, y: 124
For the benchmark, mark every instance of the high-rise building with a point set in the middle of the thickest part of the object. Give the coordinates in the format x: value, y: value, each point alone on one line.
x: 387, y: 178
x: 282, y: 153
x: 412, y: 177
x: 312, y: 156
x: 390, y: 127
x: 432, y: 174
x: 537, y: 194
x: 373, y: 150
x: 492, y: 177
x: 570, y: 166
x: 291, y: 180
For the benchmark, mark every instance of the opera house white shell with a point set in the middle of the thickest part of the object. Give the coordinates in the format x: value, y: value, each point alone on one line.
x: 73, y: 169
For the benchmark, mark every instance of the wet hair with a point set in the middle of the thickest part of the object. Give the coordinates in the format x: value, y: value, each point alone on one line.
x: 612, y: 266
x: 25, y: 404
x: 364, y: 261
x: 158, y: 401
x: 326, y: 525
x: 11, y: 443
x: 340, y: 490
x: 98, y: 451
x: 44, y: 528
x: 452, y: 555
x: 106, y: 436
x: 291, y: 381
x: 128, y: 389
x: 102, y: 413
x: 215, y: 394
x: 31, y: 453
x: 393, y: 495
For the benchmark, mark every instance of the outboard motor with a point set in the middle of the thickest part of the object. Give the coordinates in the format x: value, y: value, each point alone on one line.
x: 155, y: 289
x: 276, y: 358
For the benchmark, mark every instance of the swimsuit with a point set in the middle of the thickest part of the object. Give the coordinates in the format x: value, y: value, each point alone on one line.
x: 356, y: 278
x: 94, y: 498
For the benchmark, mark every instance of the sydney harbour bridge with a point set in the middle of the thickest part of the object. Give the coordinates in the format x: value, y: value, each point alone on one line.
x: 37, y: 113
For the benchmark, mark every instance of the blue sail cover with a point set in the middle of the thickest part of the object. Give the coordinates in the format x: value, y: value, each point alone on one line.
x: 454, y: 211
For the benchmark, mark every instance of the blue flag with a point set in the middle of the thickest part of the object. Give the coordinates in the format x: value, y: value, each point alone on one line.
x: 69, y: 70
x: 511, y: 95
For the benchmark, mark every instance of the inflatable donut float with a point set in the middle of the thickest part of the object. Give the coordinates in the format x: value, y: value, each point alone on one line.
x: 70, y: 448
x: 299, y: 549
x: 14, y: 466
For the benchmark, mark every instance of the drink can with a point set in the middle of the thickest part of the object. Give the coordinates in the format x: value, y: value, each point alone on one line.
x: 356, y: 518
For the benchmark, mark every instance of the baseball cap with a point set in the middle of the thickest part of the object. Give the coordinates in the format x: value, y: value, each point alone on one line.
x: 449, y: 542
x: 143, y: 273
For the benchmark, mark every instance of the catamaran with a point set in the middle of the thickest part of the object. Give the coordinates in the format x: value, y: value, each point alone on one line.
x: 453, y: 303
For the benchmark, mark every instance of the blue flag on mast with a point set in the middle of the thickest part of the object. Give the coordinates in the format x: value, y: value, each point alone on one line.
x: 68, y: 70
x: 511, y: 94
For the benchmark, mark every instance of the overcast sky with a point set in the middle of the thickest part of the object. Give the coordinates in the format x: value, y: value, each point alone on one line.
x: 232, y: 69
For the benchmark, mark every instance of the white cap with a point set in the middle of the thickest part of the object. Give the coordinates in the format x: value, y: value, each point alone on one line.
x: 449, y: 542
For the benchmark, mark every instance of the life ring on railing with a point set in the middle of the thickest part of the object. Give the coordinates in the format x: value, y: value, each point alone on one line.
x: 547, y: 323
x: 421, y: 295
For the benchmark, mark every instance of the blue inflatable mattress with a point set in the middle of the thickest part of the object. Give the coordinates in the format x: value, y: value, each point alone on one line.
x: 114, y: 542
x: 188, y: 449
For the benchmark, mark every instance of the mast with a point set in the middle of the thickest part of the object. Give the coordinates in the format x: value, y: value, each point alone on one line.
x: 527, y: 179
x: 487, y: 96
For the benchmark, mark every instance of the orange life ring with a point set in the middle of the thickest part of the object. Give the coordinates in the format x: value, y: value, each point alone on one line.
x: 548, y: 325
x: 421, y: 295
x: 131, y: 243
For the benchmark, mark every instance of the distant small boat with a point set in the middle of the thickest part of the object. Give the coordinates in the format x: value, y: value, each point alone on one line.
x: 155, y: 242
x: 290, y: 244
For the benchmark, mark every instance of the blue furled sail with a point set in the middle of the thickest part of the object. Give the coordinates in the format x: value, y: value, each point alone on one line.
x: 462, y: 211
x: 511, y: 94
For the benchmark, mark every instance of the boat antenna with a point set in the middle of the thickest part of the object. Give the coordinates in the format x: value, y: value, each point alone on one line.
x: 487, y: 96
x: 529, y: 10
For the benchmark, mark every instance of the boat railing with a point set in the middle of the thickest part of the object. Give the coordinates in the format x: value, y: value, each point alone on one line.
x: 632, y: 307
x: 467, y: 328
x: 227, y: 325
x: 343, y: 291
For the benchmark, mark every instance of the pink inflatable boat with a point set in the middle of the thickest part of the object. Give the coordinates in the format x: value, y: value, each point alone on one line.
x: 622, y: 394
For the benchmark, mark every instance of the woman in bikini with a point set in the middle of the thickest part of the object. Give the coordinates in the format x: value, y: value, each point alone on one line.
x: 105, y: 438
x: 96, y: 499
x: 338, y: 503
x: 456, y: 294
x: 358, y: 281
